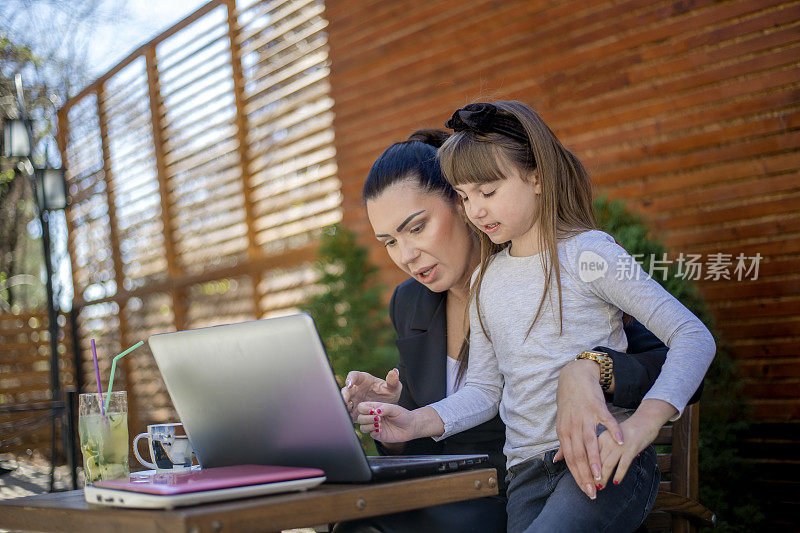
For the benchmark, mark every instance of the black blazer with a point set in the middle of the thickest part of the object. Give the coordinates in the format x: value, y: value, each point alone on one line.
x: 418, y: 316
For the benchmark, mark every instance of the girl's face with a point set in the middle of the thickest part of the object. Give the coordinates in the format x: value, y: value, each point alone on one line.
x: 505, y: 210
x: 425, y: 235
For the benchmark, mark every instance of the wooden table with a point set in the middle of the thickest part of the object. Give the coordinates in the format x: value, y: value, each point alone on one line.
x: 68, y: 511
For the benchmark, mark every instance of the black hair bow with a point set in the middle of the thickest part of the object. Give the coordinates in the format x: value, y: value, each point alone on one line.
x: 484, y: 118
x: 474, y: 117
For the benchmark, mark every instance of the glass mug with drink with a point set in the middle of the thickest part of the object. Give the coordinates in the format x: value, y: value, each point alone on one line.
x: 104, y: 435
x: 168, y: 445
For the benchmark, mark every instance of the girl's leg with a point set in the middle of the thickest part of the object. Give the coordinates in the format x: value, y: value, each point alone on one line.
x: 529, y: 484
x: 617, y: 508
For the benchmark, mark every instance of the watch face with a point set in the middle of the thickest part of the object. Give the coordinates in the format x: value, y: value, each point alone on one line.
x: 593, y: 355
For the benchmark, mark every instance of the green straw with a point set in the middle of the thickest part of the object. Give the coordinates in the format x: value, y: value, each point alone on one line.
x: 114, y: 367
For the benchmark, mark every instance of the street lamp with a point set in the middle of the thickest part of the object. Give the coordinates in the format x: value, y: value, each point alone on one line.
x: 16, y: 142
x: 51, y: 189
x: 49, y: 183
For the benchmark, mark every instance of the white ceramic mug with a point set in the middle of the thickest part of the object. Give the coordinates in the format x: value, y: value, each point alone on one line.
x: 169, y: 447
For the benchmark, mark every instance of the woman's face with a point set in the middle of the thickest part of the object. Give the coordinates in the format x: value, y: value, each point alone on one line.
x: 425, y: 235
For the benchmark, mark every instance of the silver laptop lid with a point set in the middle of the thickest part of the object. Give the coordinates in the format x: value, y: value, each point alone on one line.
x: 260, y: 392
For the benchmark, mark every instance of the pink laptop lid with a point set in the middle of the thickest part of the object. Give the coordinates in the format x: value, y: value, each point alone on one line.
x: 167, y: 483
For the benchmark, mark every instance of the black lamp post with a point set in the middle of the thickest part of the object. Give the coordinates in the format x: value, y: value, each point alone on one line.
x: 50, y: 193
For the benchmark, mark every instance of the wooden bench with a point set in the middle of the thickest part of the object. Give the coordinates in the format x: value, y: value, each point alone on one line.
x: 677, y: 507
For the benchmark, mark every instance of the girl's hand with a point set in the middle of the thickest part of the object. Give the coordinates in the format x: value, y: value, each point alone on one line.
x: 363, y: 387
x: 640, y: 430
x: 581, y: 406
x: 387, y: 422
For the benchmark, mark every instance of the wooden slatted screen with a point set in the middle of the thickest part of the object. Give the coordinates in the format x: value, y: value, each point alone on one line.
x: 200, y: 170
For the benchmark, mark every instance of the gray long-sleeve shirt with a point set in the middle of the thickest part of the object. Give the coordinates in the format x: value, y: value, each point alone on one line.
x: 518, y: 374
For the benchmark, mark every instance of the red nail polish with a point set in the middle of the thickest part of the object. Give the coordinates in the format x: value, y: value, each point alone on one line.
x: 372, y: 412
x: 616, y: 482
x: 376, y: 424
x: 379, y: 411
x: 599, y: 486
x: 376, y: 419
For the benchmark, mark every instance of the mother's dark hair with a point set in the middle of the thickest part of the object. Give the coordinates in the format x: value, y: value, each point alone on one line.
x: 411, y: 160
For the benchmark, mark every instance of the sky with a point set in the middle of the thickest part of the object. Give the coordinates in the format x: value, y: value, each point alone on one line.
x: 139, y: 22
x: 106, y: 31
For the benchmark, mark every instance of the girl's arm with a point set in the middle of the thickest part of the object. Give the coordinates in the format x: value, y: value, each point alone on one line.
x: 476, y: 402
x: 691, y: 346
x: 636, y: 371
x: 479, y: 399
x: 625, y: 285
x: 581, y: 402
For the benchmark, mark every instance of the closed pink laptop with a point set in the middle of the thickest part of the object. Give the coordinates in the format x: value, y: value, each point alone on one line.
x: 183, y: 482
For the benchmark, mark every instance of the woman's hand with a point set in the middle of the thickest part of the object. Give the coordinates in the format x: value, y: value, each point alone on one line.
x: 364, y: 387
x: 640, y: 430
x: 388, y: 422
x: 581, y: 406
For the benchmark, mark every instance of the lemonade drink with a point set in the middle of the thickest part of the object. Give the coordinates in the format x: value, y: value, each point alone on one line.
x: 104, y: 443
x: 104, y: 438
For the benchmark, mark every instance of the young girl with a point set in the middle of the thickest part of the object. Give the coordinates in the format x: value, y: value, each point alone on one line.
x: 549, y: 284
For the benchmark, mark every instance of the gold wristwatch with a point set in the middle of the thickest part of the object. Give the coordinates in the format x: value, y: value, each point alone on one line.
x: 606, y: 366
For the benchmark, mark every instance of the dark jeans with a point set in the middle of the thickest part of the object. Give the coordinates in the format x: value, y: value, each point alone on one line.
x: 543, y: 496
x: 487, y: 515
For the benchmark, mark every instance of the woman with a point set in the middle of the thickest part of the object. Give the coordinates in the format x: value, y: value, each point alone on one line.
x: 415, y: 214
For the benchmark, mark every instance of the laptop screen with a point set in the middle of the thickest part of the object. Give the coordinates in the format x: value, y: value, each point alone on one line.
x: 260, y: 392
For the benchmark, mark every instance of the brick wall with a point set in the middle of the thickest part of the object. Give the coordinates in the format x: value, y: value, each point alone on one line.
x: 686, y: 110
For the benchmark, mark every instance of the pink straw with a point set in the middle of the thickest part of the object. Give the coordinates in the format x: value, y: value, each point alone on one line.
x: 97, y: 376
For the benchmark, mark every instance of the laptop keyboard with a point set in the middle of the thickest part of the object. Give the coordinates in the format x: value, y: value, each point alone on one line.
x: 388, y: 460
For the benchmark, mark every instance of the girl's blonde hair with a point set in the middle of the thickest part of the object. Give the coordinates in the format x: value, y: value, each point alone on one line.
x: 477, y: 153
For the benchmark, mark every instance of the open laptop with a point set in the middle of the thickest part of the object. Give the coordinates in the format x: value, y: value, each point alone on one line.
x: 263, y: 392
